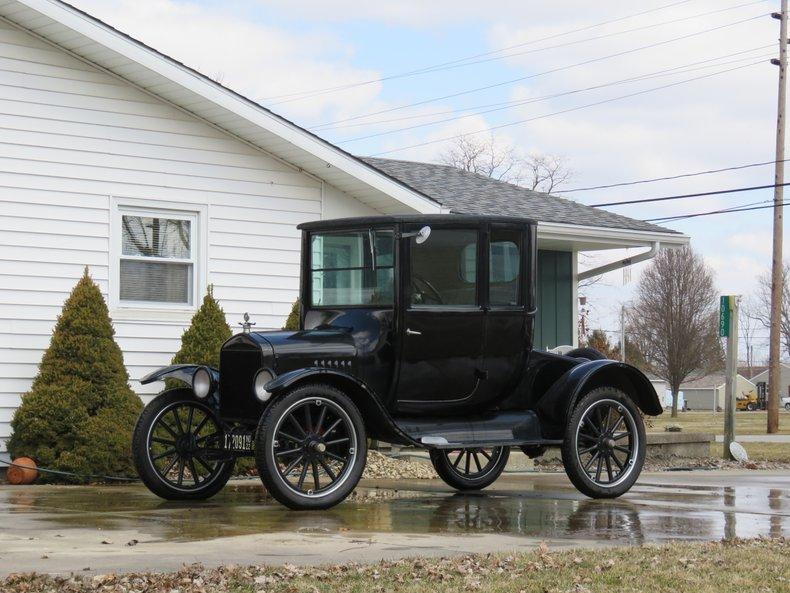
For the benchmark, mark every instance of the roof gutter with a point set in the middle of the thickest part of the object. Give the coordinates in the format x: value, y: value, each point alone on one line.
x: 628, y: 261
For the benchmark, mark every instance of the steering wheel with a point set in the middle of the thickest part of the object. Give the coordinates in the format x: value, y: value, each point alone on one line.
x: 421, y: 284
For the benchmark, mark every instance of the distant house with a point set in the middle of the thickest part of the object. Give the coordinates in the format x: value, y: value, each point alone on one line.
x: 107, y: 145
x: 707, y: 392
x: 761, y: 380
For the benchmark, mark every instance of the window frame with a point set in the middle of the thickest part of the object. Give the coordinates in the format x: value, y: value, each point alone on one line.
x: 195, y: 214
x: 523, y: 270
x: 481, y: 242
x: 307, y: 272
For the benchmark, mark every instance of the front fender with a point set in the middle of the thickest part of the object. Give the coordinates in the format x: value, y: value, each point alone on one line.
x: 378, y: 421
x: 286, y: 380
x: 182, y: 372
x: 556, y: 405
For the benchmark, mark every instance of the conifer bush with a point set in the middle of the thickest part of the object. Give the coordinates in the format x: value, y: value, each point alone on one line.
x: 80, y: 411
x: 292, y: 323
x: 203, y: 339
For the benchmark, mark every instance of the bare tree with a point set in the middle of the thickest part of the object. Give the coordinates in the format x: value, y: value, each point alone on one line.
x: 747, y: 327
x: 675, y: 319
x: 762, y: 306
x: 542, y: 173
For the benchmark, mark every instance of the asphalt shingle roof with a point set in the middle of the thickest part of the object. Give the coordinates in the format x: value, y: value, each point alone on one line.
x: 472, y: 193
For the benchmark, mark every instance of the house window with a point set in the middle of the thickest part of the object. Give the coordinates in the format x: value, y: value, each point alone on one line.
x: 157, y: 258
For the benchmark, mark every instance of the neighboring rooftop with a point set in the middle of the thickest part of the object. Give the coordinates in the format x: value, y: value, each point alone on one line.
x: 471, y: 193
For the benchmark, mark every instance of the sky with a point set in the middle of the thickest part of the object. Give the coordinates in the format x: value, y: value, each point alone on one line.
x: 322, y: 63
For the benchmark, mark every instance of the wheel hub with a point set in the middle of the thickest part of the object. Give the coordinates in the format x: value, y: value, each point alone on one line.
x: 319, y: 447
x: 186, y: 444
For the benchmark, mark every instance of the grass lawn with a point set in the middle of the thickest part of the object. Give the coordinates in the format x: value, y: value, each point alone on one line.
x: 754, y: 565
x: 745, y: 422
x: 759, y: 451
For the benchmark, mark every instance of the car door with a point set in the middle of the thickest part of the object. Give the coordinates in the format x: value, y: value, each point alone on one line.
x: 443, y: 325
x: 506, y: 311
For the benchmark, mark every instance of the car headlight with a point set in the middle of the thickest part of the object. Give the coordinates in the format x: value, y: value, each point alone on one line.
x: 261, y: 379
x: 201, y: 383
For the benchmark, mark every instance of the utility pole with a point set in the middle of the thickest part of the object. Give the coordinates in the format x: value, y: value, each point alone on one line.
x: 728, y: 328
x: 776, y: 264
x: 622, y: 333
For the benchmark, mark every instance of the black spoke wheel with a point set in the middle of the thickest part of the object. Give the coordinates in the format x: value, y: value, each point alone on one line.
x: 176, y: 446
x: 604, y: 447
x: 471, y: 468
x: 311, y: 447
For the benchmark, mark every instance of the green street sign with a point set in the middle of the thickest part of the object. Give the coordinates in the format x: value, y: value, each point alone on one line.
x: 724, y: 316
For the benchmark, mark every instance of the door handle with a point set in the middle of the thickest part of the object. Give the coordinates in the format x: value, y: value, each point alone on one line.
x: 411, y: 332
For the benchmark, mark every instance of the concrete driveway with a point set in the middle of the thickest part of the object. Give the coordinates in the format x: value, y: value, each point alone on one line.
x: 125, y: 528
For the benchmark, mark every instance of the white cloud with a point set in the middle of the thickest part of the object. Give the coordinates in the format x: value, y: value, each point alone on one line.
x: 255, y: 60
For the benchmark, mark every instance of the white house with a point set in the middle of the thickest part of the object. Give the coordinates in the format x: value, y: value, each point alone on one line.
x: 761, y: 381
x: 706, y: 392
x: 102, y: 135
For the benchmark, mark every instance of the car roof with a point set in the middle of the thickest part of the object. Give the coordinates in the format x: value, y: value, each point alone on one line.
x: 371, y: 221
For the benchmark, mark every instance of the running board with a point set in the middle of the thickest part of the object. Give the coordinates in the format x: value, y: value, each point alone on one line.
x: 503, y: 429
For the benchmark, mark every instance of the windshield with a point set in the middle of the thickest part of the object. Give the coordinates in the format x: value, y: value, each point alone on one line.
x: 342, y: 271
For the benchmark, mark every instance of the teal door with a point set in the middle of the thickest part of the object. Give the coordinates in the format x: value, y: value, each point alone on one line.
x: 556, y: 309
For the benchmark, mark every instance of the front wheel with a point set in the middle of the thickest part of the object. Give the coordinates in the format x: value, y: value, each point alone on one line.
x: 311, y: 447
x: 175, y: 448
x: 604, y: 446
x: 473, y: 468
x: 751, y: 406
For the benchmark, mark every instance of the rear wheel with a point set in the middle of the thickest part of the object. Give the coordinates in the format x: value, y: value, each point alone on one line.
x: 604, y: 446
x: 311, y: 447
x: 472, y: 468
x: 175, y: 448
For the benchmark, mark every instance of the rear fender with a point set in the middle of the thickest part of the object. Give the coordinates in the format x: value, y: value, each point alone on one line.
x: 182, y: 372
x: 556, y: 405
x: 378, y: 422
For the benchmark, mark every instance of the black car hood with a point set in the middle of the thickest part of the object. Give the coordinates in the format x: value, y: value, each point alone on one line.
x: 319, y: 343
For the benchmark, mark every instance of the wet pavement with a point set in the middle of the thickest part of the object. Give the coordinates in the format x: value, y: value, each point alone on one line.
x: 64, y: 529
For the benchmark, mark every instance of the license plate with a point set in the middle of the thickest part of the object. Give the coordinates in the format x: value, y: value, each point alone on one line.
x: 241, y: 443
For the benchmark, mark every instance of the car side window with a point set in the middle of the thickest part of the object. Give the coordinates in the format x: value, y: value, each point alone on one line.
x: 444, y: 269
x: 504, y: 281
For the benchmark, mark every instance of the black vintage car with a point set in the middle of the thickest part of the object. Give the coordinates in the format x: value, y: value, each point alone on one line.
x: 416, y: 330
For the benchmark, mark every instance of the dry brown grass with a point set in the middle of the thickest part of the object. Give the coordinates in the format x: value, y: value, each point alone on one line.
x: 745, y: 422
x: 735, y: 567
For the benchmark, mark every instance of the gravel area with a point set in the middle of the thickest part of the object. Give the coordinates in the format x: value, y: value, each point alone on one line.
x: 379, y: 466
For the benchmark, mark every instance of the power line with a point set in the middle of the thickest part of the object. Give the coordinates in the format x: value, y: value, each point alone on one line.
x: 658, y: 74
x: 670, y: 177
x: 711, y: 212
x: 479, y: 55
x: 462, y: 63
x: 682, y: 196
x: 517, y: 102
x: 563, y: 111
x: 545, y: 72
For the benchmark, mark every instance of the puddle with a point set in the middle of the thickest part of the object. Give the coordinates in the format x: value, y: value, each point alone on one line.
x: 650, y: 513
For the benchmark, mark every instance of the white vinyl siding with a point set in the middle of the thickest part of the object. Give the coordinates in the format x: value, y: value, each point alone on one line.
x: 75, y: 143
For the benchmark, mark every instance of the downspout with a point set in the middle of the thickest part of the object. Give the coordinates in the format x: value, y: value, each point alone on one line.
x: 628, y: 261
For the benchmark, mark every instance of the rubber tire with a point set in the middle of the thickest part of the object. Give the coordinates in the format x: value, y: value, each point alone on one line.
x: 751, y: 407
x: 573, y: 468
x: 588, y: 353
x: 442, y: 466
x: 265, y: 439
x: 147, y: 474
x: 787, y: 407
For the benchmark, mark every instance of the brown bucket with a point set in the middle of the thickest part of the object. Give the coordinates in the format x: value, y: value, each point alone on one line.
x: 23, y: 471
